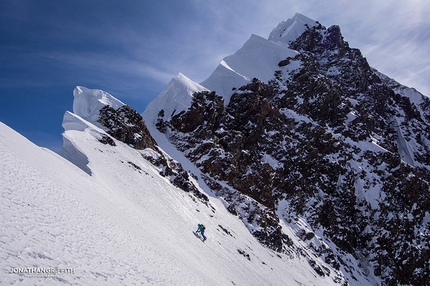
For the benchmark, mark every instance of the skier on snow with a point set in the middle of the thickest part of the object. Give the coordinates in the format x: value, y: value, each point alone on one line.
x: 201, y: 229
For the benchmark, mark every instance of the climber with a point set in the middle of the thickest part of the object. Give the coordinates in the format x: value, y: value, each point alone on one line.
x: 201, y: 229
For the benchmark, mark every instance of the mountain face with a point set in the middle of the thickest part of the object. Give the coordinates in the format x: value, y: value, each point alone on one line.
x: 294, y: 141
x: 303, y: 140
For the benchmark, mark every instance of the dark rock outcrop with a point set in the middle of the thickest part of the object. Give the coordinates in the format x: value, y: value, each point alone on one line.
x: 126, y: 125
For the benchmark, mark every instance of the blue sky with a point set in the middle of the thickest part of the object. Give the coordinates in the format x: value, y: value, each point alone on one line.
x: 132, y: 49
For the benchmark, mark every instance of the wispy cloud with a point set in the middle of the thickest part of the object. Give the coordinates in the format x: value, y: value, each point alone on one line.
x: 154, y: 42
x: 133, y: 48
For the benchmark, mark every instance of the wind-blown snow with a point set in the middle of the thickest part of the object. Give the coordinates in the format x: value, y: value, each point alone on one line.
x: 290, y: 30
x: 87, y: 102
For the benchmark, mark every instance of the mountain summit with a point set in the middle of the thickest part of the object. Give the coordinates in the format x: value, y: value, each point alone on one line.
x: 303, y: 139
x: 288, y: 31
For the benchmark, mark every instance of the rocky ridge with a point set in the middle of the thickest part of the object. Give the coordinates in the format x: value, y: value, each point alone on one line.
x: 128, y: 126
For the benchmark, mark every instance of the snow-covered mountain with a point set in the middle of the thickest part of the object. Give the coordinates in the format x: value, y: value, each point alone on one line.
x: 304, y: 140
x: 307, y: 166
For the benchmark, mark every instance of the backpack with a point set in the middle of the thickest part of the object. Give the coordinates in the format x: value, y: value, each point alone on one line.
x: 203, y: 227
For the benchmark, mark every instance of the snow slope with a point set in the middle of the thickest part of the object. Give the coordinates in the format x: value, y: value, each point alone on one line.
x: 258, y: 58
x: 122, y: 225
x: 176, y: 97
x: 288, y: 31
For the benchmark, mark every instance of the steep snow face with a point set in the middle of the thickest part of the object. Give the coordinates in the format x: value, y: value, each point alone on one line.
x: 88, y: 102
x: 290, y: 30
x: 258, y: 58
x: 176, y: 97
